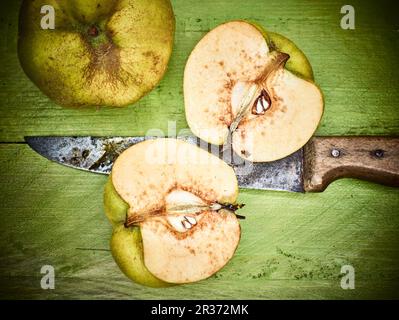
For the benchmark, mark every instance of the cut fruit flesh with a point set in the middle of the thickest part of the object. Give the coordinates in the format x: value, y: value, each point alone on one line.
x: 144, y: 174
x: 252, y: 137
x: 192, y: 256
x: 127, y: 250
x: 224, y: 76
x: 169, y: 187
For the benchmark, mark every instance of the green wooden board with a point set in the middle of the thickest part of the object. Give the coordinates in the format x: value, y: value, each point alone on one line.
x: 293, y: 245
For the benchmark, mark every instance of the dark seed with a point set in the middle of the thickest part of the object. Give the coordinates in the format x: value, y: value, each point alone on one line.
x: 262, y: 103
x: 379, y: 153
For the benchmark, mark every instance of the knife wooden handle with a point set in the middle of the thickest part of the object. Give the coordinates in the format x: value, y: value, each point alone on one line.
x: 368, y: 158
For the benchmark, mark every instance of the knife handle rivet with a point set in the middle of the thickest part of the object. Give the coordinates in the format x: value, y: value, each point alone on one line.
x: 335, y: 153
x: 379, y: 153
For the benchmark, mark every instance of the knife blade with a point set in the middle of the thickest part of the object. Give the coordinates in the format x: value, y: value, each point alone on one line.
x: 312, y: 168
x: 97, y: 154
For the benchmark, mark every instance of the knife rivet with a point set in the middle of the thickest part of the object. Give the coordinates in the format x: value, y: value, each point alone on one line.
x: 379, y: 153
x: 335, y: 153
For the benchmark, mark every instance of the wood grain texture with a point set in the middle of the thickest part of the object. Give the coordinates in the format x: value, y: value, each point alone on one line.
x: 292, y: 246
x: 358, y: 70
x: 368, y: 158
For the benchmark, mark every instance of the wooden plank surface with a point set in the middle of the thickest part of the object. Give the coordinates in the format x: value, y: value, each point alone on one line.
x: 293, y: 245
x: 356, y: 69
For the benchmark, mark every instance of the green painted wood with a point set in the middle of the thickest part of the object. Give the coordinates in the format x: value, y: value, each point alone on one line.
x: 356, y: 69
x: 293, y: 245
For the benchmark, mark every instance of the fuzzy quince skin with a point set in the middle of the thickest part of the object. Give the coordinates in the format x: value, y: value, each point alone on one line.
x: 150, y: 242
x: 101, y: 53
x: 253, y: 86
x: 126, y: 243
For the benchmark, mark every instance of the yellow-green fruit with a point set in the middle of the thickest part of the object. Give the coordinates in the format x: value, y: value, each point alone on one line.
x: 100, y: 53
x: 298, y: 63
x: 253, y: 86
x: 171, y: 225
x: 114, y: 206
x: 126, y: 243
x: 127, y: 250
